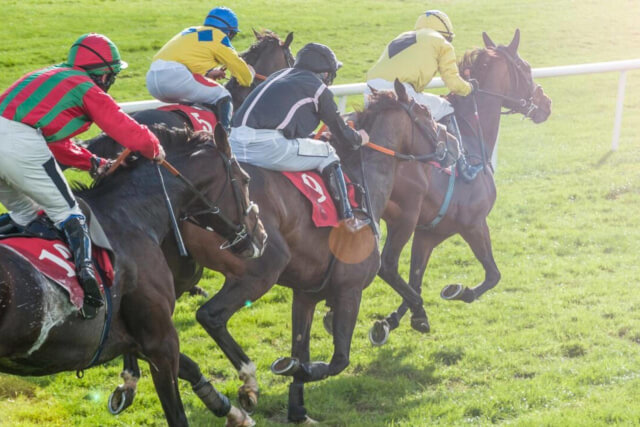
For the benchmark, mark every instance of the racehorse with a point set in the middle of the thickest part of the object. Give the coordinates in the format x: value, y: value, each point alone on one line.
x: 41, y: 332
x: 297, y: 254
x: 505, y: 80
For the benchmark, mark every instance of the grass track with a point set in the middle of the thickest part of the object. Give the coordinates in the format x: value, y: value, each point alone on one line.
x: 556, y: 343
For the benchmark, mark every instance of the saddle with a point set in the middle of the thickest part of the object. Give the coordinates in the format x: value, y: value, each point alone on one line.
x: 200, y: 116
x: 43, y: 246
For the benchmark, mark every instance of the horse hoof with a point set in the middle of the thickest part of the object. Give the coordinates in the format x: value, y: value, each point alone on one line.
x: 379, y: 332
x: 248, y: 398
x: 457, y: 292
x: 420, y: 324
x: 327, y: 322
x: 239, y: 418
x: 120, y: 399
x: 285, y: 366
x: 308, y: 421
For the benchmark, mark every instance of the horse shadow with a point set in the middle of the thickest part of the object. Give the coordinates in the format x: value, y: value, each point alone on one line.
x: 371, y: 388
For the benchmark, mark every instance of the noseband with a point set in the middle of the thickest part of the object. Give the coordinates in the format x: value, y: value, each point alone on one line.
x: 235, y: 233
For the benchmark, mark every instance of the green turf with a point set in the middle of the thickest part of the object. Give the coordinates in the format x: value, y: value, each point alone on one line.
x: 556, y: 343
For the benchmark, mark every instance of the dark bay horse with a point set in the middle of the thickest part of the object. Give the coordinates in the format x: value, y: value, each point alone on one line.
x: 505, y: 82
x: 41, y: 333
x: 298, y: 256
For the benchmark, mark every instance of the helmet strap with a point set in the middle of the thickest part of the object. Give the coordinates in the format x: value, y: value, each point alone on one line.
x: 98, y: 55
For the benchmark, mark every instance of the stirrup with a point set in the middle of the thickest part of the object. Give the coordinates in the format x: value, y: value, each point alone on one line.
x: 355, y: 224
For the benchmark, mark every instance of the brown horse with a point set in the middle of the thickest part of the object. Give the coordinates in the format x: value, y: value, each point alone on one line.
x: 40, y: 331
x: 505, y: 81
x: 267, y: 55
x: 298, y: 256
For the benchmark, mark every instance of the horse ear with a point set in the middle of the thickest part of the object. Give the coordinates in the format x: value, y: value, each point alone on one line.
x: 288, y: 40
x: 257, y: 34
x: 401, y: 92
x: 513, y: 46
x: 487, y: 40
x: 373, y: 91
x: 222, y: 140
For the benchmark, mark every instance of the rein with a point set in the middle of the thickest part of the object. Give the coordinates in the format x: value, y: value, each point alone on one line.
x: 234, y: 233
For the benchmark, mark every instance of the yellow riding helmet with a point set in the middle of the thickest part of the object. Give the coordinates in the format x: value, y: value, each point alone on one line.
x: 438, y: 21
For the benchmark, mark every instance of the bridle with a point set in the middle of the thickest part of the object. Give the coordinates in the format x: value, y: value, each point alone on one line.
x: 441, y: 151
x: 517, y: 73
x: 213, y: 219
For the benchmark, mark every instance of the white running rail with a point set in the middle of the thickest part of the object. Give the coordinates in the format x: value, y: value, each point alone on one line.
x: 343, y: 91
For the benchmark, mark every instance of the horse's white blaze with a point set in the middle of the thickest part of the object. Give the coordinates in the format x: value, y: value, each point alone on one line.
x: 55, y: 307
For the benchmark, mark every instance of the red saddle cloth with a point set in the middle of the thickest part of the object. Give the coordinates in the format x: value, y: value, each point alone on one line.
x: 53, y: 259
x: 311, y: 184
x: 200, y: 118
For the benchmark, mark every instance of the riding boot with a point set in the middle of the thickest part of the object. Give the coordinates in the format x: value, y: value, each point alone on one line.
x: 7, y: 226
x: 224, y: 108
x: 467, y: 171
x: 334, y: 177
x: 77, y: 235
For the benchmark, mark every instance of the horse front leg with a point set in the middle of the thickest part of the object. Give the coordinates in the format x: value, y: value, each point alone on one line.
x: 423, y: 244
x: 215, y: 401
x: 398, y: 235
x: 479, y: 239
x: 214, y: 316
x: 299, y: 365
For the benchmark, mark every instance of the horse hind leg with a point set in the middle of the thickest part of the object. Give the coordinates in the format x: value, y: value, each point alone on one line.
x: 122, y: 397
x: 479, y: 240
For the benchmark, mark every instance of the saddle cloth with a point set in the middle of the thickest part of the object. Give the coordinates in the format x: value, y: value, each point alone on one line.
x: 53, y: 259
x: 200, y: 118
x: 312, y: 186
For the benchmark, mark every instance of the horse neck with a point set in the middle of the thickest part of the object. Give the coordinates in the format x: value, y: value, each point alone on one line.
x: 489, y: 109
x: 137, y: 205
x: 379, y: 169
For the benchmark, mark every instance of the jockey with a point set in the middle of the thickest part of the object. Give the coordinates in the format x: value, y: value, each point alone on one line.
x: 414, y: 57
x: 273, y: 126
x: 38, y: 115
x: 182, y: 70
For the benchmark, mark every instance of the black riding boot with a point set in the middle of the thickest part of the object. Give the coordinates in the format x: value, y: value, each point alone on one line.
x: 333, y: 176
x: 224, y: 107
x: 468, y: 172
x: 7, y: 226
x: 77, y: 235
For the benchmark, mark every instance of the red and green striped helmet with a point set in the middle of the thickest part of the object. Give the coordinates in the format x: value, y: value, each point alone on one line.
x: 96, y: 54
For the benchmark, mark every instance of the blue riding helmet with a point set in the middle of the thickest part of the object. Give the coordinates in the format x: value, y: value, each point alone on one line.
x: 224, y: 19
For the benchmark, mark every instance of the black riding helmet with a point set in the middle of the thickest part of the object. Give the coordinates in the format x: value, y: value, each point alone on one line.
x: 318, y: 58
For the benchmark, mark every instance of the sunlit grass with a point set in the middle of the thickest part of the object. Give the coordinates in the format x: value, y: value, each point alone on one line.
x: 556, y: 343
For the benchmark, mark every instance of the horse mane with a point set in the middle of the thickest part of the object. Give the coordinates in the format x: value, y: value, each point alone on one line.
x: 476, y: 61
x: 379, y: 101
x: 175, y: 141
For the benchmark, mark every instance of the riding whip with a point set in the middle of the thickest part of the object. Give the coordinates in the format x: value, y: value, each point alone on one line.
x: 174, y: 222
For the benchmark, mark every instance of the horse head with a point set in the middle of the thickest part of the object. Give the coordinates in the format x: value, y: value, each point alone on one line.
x: 227, y: 208
x: 502, y: 73
x: 266, y: 55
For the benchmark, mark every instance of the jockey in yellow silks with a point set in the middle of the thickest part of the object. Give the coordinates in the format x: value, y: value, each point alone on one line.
x: 182, y: 71
x: 414, y: 58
